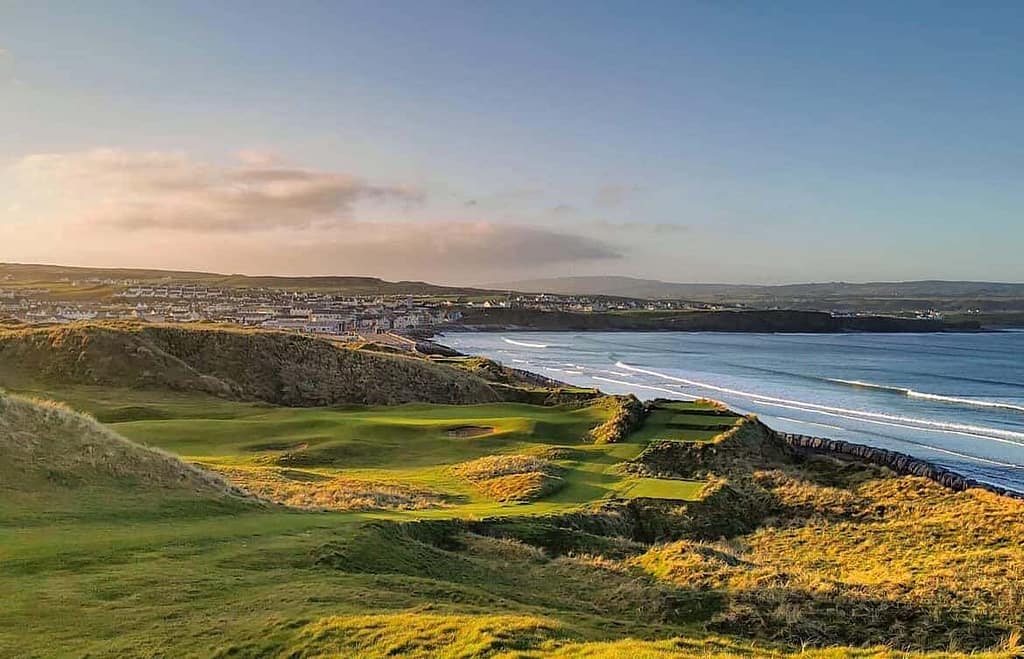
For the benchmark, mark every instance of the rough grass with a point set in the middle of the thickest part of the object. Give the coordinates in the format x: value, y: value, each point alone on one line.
x: 276, y: 367
x: 512, y: 477
x: 420, y: 635
x: 845, y: 554
x: 302, y: 489
x: 46, y: 445
x: 627, y: 414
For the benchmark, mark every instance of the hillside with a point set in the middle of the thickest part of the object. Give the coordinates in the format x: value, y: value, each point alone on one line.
x: 47, y: 446
x: 22, y: 274
x: 878, y: 297
x: 488, y: 530
x: 653, y: 288
x: 274, y: 367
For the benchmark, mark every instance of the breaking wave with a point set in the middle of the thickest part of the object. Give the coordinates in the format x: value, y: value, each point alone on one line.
x: 911, y: 393
x: 524, y: 344
x: 981, y: 432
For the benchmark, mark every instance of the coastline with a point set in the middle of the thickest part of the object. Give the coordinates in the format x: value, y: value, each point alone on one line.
x: 763, y: 320
x: 809, y: 445
x: 657, y: 330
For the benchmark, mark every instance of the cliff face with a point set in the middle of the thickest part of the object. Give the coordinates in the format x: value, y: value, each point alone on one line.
x: 280, y: 368
x: 700, y: 321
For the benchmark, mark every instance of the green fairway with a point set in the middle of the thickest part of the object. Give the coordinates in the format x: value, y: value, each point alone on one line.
x: 411, y: 444
x: 684, y: 422
x: 400, y: 547
x: 661, y: 488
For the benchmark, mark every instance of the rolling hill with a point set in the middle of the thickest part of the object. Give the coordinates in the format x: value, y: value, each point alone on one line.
x: 877, y: 297
x: 656, y: 289
x: 274, y: 367
x: 23, y: 274
x: 699, y: 535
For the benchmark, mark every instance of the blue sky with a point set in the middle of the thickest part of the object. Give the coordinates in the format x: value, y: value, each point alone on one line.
x: 481, y: 141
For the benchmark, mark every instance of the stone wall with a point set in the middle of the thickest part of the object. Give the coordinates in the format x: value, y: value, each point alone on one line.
x: 901, y: 463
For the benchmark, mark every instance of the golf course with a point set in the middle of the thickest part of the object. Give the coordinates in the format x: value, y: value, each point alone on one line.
x: 156, y: 501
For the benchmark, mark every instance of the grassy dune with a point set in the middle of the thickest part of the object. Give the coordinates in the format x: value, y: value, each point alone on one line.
x: 432, y: 530
x: 47, y: 442
x: 512, y: 477
x: 274, y: 367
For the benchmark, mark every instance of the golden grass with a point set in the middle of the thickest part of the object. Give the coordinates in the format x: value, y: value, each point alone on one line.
x: 46, y: 442
x: 302, y: 489
x: 426, y: 632
x: 244, y: 364
x: 850, y: 555
x: 509, y: 478
x: 627, y: 415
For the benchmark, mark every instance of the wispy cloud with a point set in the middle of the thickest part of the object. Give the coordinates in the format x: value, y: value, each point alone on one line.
x: 163, y: 190
x: 259, y: 214
x: 461, y: 250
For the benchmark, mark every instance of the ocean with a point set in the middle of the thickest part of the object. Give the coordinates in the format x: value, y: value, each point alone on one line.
x: 953, y: 399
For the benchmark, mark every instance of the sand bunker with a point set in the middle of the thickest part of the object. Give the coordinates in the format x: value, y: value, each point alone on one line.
x: 470, y: 431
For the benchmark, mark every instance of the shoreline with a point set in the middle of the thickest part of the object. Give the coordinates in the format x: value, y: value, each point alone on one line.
x: 663, y: 330
x: 746, y: 320
x: 809, y: 445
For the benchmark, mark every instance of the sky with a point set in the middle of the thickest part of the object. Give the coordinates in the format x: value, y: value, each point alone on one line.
x: 482, y: 142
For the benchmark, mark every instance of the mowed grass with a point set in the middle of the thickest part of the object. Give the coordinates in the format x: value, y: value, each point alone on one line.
x: 696, y: 421
x: 414, y: 445
x: 661, y: 488
x: 409, y: 445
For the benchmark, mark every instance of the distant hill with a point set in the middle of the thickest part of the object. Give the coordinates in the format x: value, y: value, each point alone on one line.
x: 655, y: 289
x: 24, y: 274
x: 275, y: 367
x: 616, y: 287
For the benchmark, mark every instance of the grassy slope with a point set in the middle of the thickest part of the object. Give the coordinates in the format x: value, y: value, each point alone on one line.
x: 101, y: 568
x: 410, y: 444
x: 116, y: 571
x: 274, y: 367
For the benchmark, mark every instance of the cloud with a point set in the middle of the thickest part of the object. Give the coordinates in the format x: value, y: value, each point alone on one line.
x: 260, y: 158
x: 134, y: 191
x: 443, y: 250
x: 257, y: 215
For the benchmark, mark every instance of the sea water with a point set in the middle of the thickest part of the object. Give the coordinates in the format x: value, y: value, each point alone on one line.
x: 954, y: 399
